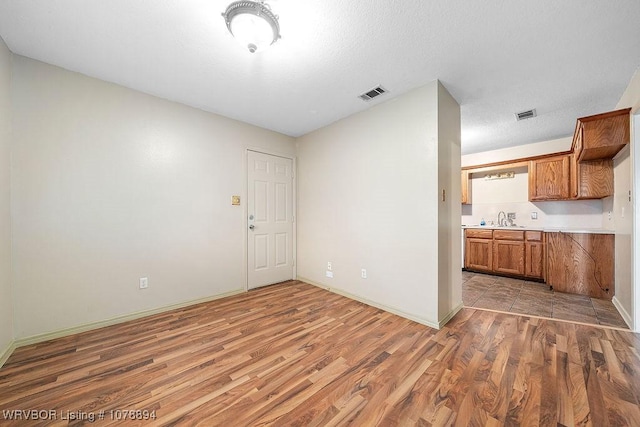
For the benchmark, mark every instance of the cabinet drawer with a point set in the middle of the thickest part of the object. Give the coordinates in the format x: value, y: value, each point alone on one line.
x: 479, y: 233
x: 533, y: 236
x: 508, y: 234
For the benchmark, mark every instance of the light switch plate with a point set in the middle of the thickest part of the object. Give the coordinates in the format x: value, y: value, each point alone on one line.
x: 235, y: 200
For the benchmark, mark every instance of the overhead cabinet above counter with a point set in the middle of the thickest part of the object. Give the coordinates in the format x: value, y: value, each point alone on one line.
x: 585, y: 172
x: 601, y: 136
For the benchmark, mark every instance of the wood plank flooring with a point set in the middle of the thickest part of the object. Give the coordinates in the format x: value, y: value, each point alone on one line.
x: 293, y: 354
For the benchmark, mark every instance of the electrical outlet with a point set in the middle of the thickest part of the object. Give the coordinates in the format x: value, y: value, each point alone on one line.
x: 329, y: 274
x: 511, y: 215
x: 363, y: 273
x: 534, y: 215
x: 144, y: 283
x: 329, y: 266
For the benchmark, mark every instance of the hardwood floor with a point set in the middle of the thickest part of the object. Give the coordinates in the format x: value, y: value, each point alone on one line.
x: 294, y: 354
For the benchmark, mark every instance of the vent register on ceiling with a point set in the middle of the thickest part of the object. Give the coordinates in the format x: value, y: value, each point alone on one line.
x: 523, y: 115
x: 370, y: 94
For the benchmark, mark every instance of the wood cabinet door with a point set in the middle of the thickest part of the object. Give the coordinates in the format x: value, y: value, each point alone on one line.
x: 604, y: 135
x: 479, y: 254
x: 534, y: 260
x: 549, y: 178
x: 591, y: 179
x: 466, y: 187
x: 508, y: 257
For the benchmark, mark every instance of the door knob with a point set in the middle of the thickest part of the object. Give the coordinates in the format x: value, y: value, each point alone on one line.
x: 251, y: 227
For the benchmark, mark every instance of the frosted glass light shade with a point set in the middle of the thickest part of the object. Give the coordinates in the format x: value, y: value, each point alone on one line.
x: 252, y: 24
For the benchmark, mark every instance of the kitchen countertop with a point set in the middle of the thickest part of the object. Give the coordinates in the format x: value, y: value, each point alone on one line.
x: 544, y: 229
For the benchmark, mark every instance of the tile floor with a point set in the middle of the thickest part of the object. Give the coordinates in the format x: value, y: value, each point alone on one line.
x: 532, y: 298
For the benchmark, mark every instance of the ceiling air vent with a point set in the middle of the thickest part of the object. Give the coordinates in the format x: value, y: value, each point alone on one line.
x: 526, y: 114
x: 377, y: 91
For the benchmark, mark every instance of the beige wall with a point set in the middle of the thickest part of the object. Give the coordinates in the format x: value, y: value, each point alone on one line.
x: 6, y: 303
x: 110, y: 185
x: 627, y: 296
x: 449, y: 242
x: 368, y: 198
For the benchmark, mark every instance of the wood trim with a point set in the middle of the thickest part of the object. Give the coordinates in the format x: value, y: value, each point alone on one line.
x: 508, y: 234
x: 605, y: 115
x: 515, y: 163
x: 479, y: 233
x: 533, y: 236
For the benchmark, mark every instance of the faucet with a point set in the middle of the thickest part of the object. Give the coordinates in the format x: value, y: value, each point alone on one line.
x: 502, y: 219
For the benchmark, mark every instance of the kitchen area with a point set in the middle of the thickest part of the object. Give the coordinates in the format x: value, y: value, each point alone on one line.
x: 538, y: 234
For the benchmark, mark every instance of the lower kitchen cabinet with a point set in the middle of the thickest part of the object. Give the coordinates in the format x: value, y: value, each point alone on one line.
x: 534, y: 254
x: 581, y: 263
x: 479, y: 254
x: 509, y: 252
x: 508, y: 257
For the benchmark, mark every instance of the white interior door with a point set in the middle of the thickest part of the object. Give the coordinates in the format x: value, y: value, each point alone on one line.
x: 270, y: 219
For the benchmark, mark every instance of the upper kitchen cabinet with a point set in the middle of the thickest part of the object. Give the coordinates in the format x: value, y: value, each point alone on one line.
x: 591, y: 179
x: 601, y: 136
x: 597, y: 139
x: 465, y: 180
x: 584, y: 172
x: 549, y: 178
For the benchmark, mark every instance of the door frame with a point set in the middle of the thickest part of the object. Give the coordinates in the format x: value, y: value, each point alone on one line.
x: 635, y: 233
x: 245, y: 211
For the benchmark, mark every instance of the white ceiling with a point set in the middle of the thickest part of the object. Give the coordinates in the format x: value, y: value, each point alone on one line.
x: 567, y: 59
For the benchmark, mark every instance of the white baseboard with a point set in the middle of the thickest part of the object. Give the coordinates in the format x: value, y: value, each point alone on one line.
x: 6, y: 352
x: 450, y: 315
x: 115, y: 320
x: 625, y: 316
x: 35, y: 339
x: 375, y: 304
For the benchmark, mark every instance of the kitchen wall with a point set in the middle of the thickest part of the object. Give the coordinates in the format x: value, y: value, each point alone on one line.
x: 627, y: 294
x: 489, y: 197
x: 369, y: 197
x: 6, y: 299
x: 111, y: 185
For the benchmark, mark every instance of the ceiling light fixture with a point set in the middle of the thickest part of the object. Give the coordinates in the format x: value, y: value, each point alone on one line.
x: 252, y: 23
